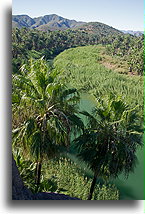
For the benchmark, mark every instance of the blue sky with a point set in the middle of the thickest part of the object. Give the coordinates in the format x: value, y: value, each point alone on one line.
x: 121, y: 14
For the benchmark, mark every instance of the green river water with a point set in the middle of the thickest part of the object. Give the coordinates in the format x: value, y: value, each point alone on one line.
x: 131, y: 188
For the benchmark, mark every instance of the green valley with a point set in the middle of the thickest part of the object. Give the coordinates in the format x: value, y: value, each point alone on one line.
x: 83, y: 68
x: 77, y: 107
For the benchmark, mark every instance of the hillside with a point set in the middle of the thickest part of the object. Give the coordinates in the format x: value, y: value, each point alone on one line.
x: 98, y: 28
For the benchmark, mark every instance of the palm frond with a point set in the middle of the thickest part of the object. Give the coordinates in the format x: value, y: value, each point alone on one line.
x: 76, y: 121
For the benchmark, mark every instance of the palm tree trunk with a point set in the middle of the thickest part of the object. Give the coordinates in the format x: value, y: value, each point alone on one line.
x: 92, y: 187
x: 38, y: 173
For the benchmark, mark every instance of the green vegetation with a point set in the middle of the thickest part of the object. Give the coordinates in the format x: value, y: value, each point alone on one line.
x: 48, y: 122
x: 64, y: 176
x: 131, y: 50
x: 27, y: 43
x: 110, y: 140
x: 52, y: 117
x: 82, y: 68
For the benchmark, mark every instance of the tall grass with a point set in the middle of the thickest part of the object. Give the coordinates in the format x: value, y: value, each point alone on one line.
x: 70, y: 180
x: 81, y: 68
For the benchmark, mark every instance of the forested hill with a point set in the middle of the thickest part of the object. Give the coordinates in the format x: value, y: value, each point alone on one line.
x: 98, y: 28
x: 55, y: 22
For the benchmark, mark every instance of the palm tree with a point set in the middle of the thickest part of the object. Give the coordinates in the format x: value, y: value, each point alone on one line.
x: 110, y: 142
x: 44, y: 112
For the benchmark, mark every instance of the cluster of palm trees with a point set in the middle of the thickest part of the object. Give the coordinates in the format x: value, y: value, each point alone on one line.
x: 46, y: 115
x: 130, y: 48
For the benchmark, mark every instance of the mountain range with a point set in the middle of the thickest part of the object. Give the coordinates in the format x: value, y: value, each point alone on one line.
x: 54, y: 22
x: 51, y: 22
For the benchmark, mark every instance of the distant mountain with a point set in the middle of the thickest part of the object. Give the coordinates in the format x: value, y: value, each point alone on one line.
x: 134, y: 33
x: 54, y: 22
x: 22, y: 21
x: 47, y: 22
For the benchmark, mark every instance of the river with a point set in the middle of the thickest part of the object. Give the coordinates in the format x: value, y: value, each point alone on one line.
x: 131, y: 188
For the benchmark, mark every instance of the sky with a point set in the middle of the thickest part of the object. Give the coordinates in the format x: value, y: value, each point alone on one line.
x: 120, y: 14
